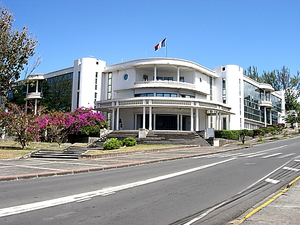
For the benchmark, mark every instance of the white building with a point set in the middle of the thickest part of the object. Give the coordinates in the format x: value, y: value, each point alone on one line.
x: 163, y: 94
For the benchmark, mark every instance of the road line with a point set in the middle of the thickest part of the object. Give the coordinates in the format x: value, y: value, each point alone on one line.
x: 268, y: 156
x: 272, y: 181
x: 291, y: 169
x: 284, y: 156
x: 101, y: 192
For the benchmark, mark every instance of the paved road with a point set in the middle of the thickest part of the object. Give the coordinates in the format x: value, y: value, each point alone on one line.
x: 192, y: 188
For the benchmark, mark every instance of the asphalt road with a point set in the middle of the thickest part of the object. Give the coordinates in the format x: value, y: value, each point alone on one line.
x: 211, y: 189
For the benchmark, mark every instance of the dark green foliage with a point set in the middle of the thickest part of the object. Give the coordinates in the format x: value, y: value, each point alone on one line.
x: 227, y: 134
x: 112, y: 143
x: 243, y: 134
x: 258, y: 132
x: 16, y: 47
x: 129, y: 141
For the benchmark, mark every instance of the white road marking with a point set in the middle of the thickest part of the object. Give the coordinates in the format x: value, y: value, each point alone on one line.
x: 268, y: 156
x: 291, y: 169
x: 101, y: 192
x: 284, y: 156
x: 256, y: 154
x: 272, y: 181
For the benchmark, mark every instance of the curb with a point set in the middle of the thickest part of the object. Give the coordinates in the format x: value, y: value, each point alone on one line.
x: 267, y: 202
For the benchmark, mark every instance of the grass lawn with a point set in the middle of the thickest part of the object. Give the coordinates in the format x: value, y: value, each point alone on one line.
x: 12, y: 153
x: 12, y: 149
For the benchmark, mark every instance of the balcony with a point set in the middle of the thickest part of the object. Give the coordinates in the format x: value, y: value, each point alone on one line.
x: 168, y: 84
x: 267, y: 104
x: 33, y: 95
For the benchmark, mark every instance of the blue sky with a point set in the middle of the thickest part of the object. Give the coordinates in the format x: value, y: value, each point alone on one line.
x: 261, y: 33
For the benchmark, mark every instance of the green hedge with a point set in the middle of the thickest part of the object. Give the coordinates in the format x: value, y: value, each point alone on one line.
x: 234, y: 134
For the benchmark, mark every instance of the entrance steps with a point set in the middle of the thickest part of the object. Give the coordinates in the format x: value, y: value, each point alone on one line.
x: 161, y: 137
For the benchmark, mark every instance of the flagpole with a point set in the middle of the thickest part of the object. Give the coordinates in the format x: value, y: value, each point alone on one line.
x: 166, y: 47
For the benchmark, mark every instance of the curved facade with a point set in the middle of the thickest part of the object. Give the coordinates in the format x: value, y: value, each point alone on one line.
x: 161, y: 94
x: 165, y: 94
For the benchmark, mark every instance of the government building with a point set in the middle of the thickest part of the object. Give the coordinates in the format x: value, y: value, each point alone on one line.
x: 160, y: 94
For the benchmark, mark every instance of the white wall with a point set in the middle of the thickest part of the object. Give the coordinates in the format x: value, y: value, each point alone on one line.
x: 232, y: 74
x: 88, y: 69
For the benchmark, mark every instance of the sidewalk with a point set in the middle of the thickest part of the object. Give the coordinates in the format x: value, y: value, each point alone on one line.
x: 284, y: 209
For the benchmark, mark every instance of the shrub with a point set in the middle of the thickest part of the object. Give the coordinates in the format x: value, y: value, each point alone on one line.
x: 227, y: 134
x: 129, y: 141
x: 244, y: 133
x: 112, y: 143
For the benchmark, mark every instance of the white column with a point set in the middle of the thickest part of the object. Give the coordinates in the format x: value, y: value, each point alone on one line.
x: 35, y: 106
x: 197, y: 119
x: 150, y: 115
x: 144, y: 117
x: 270, y: 117
x: 216, y: 121
x: 154, y: 121
x: 178, y: 121
x: 135, y: 121
x: 265, y: 111
x: 178, y: 74
x: 37, y: 86
x: 192, y: 120
x: 117, y: 119
x: 113, y: 119
x: 154, y: 72
x: 220, y: 121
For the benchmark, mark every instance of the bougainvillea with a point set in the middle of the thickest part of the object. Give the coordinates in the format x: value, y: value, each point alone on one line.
x: 51, y: 127
x: 85, y: 121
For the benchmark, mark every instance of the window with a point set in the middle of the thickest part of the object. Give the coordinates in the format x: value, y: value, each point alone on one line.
x: 181, y: 79
x: 109, y: 84
x: 78, y: 81
x: 166, y: 95
x: 211, y: 88
x: 145, y: 77
x: 95, y: 96
x: 96, y: 80
x: 144, y: 95
x: 168, y: 78
x: 224, y: 90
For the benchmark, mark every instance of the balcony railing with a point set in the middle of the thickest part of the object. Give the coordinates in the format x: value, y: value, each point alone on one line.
x: 267, y: 104
x: 159, y: 83
x: 33, y: 95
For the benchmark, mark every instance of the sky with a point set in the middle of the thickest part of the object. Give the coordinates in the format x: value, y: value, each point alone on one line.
x: 260, y: 33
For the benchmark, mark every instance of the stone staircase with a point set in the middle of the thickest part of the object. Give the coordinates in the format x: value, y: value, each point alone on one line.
x: 69, y: 153
x: 162, y: 137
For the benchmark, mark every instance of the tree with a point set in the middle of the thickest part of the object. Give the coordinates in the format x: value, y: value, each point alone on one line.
x: 281, y: 80
x: 20, y: 123
x: 252, y: 73
x: 16, y: 47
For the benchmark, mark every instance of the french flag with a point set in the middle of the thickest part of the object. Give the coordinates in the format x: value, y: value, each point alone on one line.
x: 160, y: 44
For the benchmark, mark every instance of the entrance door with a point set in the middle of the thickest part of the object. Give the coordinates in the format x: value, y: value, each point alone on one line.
x: 166, y: 122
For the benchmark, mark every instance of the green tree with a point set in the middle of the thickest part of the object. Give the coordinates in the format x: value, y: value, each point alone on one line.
x: 16, y: 47
x: 252, y: 73
x: 281, y: 80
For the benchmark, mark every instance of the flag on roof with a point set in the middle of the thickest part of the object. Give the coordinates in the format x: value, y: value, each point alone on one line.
x: 160, y: 44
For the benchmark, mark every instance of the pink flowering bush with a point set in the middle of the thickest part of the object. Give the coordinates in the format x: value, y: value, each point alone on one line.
x: 85, y: 121
x: 54, y: 126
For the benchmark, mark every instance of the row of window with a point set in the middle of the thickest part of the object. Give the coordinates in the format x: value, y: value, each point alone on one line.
x: 163, y: 95
x: 145, y: 78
